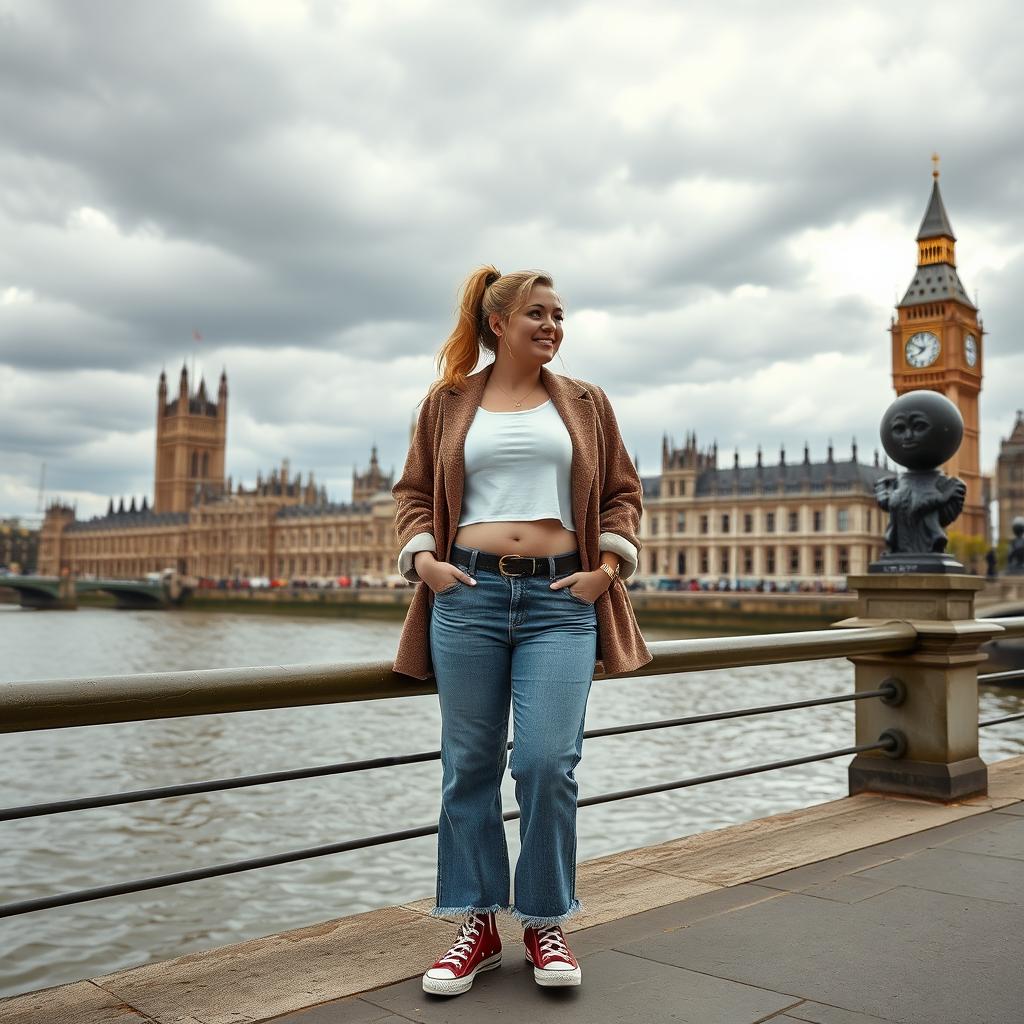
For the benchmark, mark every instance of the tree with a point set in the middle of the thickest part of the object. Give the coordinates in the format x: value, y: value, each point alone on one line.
x: 967, y: 548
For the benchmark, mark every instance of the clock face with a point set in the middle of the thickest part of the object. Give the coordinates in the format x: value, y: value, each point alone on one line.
x: 922, y: 349
x: 971, y: 350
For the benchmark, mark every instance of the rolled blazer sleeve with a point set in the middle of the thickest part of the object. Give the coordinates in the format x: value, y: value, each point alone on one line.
x: 414, y: 494
x: 621, y: 494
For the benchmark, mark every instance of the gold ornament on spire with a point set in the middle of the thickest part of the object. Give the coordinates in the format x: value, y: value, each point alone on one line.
x: 935, y: 166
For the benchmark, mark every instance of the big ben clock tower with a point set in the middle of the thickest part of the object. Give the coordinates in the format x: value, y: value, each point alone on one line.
x: 937, y: 344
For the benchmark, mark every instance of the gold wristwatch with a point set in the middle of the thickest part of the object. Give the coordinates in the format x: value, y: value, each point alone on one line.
x: 612, y: 574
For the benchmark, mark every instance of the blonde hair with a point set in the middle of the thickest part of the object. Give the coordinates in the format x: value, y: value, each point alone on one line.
x: 486, y: 292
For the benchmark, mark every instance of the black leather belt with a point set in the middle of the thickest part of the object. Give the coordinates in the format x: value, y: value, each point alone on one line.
x: 518, y: 565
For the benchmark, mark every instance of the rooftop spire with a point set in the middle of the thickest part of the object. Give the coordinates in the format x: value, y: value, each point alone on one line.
x: 936, y: 279
x: 936, y: 221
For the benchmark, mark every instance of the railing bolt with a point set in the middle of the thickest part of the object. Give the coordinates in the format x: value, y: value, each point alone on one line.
x: 895, y: 743
x: 897, y: 691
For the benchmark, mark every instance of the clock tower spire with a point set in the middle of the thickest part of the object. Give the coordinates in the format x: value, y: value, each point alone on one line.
x: 937, y: 345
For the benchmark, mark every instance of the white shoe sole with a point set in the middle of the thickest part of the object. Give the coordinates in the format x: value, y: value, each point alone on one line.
x: 456, y: 986
x: 556, y: 979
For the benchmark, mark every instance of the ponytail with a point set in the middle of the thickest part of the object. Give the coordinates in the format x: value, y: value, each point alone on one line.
x: 458, y: 355
x: 485, y: 292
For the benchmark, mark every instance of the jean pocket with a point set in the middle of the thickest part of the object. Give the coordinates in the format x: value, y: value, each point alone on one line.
x: 450, y: 589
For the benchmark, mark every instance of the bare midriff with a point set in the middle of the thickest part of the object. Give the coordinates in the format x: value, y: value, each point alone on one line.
x: 539, y: 537
x: 533, y: 537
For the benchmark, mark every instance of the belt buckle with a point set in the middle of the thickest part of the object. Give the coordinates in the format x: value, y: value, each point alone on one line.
x: 501, y: 565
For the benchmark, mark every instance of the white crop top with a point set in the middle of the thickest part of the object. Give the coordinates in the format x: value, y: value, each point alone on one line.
x: 517, y: 467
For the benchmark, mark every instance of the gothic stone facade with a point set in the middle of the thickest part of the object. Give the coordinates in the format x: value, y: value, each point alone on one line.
x: 19, y: 545
x: 1010, y: 477
x: 202, y: 526
x: 789, y: 521
x: 281, y: 528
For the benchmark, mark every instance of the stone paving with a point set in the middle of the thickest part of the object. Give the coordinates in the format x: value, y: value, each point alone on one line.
x: 925, y: 929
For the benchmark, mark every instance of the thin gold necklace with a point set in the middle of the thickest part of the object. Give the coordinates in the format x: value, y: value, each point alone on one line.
x: 517, y: 403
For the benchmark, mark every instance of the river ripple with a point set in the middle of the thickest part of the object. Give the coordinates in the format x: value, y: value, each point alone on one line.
x: 45, y: 855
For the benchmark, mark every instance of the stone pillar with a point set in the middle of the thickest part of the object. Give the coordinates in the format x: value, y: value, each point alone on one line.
x: 939, y: 716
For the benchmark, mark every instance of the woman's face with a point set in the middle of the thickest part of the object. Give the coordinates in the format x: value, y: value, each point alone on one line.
x: 534, y: 332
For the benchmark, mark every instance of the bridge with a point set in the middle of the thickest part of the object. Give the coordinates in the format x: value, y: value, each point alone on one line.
x: 888, y: 906
x: 53, y: 592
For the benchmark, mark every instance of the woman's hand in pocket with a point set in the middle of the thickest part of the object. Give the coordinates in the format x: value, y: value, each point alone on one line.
x: 441, y: 575
x: 587, y: 586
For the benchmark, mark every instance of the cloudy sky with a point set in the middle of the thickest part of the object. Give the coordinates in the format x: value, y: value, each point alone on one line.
x: 726, y: 194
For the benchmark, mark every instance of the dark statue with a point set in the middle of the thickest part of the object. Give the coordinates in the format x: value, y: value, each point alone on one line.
x: 920, y: 430
x: 991, y: 561
x: 1015, y: 559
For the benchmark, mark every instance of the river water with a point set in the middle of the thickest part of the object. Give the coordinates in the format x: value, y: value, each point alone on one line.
x: 78, y: 850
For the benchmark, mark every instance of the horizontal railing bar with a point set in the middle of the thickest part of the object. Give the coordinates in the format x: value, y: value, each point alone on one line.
x: 291, y: 856
x: 1014, y: 675
x: 1014, y: 627
x: 721, y: 716
x: 736, y: 773
x: 212, y: 786
x: 64, y: 703
x: 346, y: 767
x: 997, y: 721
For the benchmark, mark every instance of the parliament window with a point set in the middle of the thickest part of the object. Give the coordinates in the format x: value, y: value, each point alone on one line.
x: 748, y: 522
x: 748, y: 560
x: 844, y: 560
x: 794, y: 560
x: 769, y: 522
x: 843, y: 520
x: 794, y: 522
x: 769, y: 561
x: 705, y: 566
x: 681, y: 522
x: 703, y: 524
x: 819, y: 520
x: 725, y: 522
x: 819, y: 561
x: 723, y: 560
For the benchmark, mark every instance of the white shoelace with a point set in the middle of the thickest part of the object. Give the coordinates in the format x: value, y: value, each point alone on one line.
x: 552, y: 942
x: 459, y: 952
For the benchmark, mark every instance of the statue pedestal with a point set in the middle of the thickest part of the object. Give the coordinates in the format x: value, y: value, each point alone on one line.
x: 925, y: 562
x: 939, y: 717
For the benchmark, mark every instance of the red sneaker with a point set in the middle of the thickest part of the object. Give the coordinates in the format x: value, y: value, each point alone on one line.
x: 552, y: 959
x: 478, y: 948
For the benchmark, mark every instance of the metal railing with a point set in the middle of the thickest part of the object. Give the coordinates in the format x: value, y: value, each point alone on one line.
x: 65, y: 703
x: 103, y: 700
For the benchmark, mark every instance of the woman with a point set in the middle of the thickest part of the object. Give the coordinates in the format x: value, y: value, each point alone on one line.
x: 517, y: 512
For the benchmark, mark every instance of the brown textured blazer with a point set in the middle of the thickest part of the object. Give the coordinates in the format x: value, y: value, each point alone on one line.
x: 606, y: 498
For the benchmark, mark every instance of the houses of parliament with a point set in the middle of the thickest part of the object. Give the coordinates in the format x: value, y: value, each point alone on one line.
x: 793, y: 518
x: 203, y: 525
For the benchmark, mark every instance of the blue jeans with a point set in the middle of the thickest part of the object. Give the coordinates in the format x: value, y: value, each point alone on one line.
x: 510, y: 640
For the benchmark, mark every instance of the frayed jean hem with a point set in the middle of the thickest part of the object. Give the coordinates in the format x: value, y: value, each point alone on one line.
x: 529, y: 921
x: 495, y: 908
